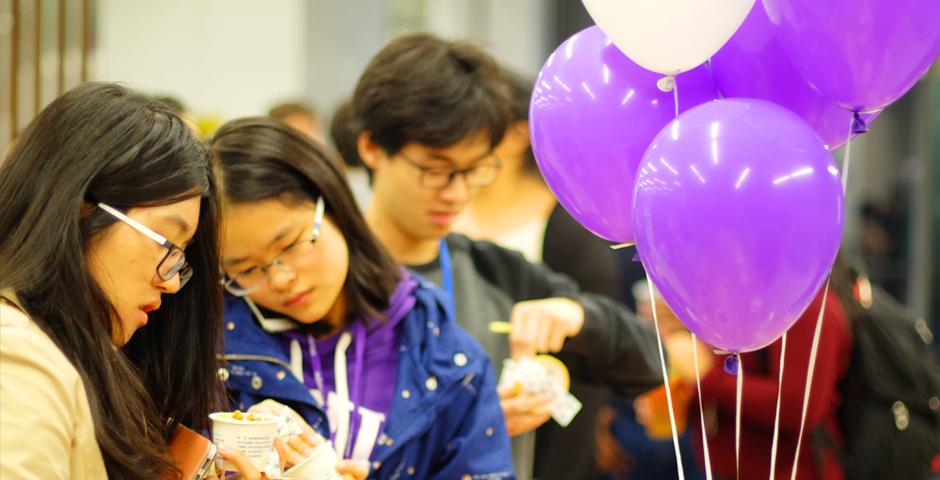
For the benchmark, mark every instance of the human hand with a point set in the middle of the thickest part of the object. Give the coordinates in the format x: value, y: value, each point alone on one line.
x: 298, y: 447
x: 273, y: 407
x: 681, y: 356
x: 244, y: 465
x: 643, y: 410
x: 540, y: 326
x: 353, y: 469
x: 609, y: 455
x: 523, y: 413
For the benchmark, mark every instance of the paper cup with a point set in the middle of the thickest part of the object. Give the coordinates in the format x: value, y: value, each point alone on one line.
x: 320, y: 465
x: 254, y: 438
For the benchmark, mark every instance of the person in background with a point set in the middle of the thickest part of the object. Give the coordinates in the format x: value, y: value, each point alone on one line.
x: 429, y: 142
x: 176, y: 106
x: 761, y: 379
x: 518, y: 211
x: 640, y: 428
x: 301, y: 116
x: 110, y: 297
x: 322, y: 320
x: 344, y: 132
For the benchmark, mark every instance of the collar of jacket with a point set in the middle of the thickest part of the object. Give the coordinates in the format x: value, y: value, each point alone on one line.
x: 432, y: 361
x: 254, y: 360
x: 10, y: 296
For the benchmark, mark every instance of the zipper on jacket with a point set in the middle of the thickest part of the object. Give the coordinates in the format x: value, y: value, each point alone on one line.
x: 258, y: 358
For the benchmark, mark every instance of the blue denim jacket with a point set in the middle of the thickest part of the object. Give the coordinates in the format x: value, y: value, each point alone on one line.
x: 445, y: 420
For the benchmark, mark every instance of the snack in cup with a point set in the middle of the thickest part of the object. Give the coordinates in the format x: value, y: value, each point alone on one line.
x: 252, y: 434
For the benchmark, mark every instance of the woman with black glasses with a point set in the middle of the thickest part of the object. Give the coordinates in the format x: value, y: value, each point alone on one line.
x: 110, y: 302
x: 322, y: 320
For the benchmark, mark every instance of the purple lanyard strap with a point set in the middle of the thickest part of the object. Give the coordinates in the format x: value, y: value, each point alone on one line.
x: 355, y: 419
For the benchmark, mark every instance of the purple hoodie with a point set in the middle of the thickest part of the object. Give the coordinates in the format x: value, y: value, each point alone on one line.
x: 371, y: 366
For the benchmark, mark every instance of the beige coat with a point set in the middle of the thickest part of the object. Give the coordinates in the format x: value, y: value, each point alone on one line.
x: 46, y: 429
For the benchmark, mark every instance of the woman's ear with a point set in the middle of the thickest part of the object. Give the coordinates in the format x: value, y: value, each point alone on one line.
x: 86, y: 209
x: 371, y: 153
x: 521, y: 129
x: 516, y: 140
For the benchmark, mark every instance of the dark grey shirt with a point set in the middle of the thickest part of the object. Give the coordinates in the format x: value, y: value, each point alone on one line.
x: 614, y: 349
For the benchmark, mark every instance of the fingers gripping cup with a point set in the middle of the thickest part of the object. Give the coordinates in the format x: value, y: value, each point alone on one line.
x: 252, y: 434
x: 320, y: 465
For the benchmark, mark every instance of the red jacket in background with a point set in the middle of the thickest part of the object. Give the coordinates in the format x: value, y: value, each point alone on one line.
x: 759, y: 399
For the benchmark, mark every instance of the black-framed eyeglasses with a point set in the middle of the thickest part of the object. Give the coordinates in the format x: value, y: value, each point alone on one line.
x: 173, y: 263
x: 439, y: 177
x: 292, y: 257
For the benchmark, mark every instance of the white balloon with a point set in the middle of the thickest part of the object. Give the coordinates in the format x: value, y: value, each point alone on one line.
x: 669, y: 36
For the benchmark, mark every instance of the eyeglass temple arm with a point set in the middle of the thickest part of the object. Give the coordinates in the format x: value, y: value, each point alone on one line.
x: 135, y: 224
x: 318, y: 216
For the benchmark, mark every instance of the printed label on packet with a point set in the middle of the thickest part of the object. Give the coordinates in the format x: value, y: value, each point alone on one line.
x: 564, y: 408
x: 543, y: 374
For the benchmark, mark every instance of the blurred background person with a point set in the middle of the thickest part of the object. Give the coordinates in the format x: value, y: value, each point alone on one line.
x: 179, y: 108
x: 759, y: 401
x: 302, y: 117
x: 635, y: 435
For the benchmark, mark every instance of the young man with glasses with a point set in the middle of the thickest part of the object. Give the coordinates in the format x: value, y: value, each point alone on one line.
x: 432, y: 112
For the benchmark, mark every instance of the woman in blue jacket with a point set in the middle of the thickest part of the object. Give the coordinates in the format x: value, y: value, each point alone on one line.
x: 322, y: 320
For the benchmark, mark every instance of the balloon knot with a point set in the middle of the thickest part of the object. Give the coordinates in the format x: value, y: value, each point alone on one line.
x: 858, y: 124
x: 731, y: 364
x: 667, y: 83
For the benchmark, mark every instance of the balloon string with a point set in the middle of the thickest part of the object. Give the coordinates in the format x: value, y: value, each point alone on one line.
x: 809, y: 379
x: 701, y: 410
x: 675, y: 97
x: 737, y: 418
x: 662, y: 362
x: 773, y: 447
x: 846, y: 158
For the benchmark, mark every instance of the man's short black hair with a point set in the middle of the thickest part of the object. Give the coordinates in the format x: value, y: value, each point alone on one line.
x: 421, y: 88
x: 344, y: 131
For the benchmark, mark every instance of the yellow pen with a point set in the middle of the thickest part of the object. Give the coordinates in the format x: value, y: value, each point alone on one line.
x: 500, y: 327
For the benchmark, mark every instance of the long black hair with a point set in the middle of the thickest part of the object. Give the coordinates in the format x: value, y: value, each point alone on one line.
x: 260, y: 158
x: 103, y: 143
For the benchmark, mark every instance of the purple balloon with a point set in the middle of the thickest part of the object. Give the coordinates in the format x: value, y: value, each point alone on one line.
x: 738, y: 217
x: 593, y: 113
x: 754, y: 65
x: 860, y: 54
